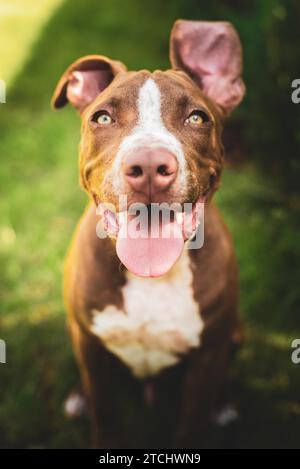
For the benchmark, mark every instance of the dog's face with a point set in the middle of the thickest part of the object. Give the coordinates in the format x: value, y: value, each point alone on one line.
x: 156, y: 137
x: 153, y: 137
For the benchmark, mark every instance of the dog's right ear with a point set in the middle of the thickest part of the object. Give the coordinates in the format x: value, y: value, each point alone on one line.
x: 210, y: 53
x: 84, y: 80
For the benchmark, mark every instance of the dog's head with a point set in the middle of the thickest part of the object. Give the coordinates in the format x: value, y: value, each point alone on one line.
x: 155, y: 137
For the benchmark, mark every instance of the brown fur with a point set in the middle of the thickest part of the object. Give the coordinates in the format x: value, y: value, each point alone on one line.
x: 182, y: 397
x: 186, y: 393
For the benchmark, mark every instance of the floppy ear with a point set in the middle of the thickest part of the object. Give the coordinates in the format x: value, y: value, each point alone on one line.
x: 211, y: 53
x: 84, y: 80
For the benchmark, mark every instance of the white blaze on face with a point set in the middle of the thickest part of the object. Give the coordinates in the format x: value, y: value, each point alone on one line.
x: 150, y: 132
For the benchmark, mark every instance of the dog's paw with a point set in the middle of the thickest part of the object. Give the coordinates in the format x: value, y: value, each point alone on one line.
x: 227, y: 415
x: 75, y: 405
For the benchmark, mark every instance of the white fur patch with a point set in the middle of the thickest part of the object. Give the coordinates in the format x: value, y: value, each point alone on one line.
x: 150, y: 131
x: 161, y: 321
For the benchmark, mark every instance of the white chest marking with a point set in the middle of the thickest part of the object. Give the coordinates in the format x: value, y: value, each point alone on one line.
x: 150, y: 132
x: 160, y: 322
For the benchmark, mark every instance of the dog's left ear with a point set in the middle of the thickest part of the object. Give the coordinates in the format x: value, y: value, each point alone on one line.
x: 84, y: 80
x: 211, y: 54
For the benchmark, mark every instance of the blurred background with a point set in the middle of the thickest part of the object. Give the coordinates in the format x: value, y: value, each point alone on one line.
x: 41, y: 202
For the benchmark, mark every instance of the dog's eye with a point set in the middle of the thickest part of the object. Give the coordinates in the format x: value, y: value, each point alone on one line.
x: 102, y: 118
x: 197, y: 118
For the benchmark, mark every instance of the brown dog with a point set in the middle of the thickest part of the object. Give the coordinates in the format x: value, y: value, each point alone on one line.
x: 153, y: 339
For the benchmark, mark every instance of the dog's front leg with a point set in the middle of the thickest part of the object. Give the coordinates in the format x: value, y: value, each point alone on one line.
x: 98, y: 375
x: 206, y: 372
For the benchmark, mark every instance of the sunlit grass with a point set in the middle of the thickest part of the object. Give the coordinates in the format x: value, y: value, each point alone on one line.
x: 20, y: 23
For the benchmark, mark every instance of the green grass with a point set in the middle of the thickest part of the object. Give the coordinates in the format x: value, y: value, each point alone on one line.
x: 40, y: 204
x: 20, y: 22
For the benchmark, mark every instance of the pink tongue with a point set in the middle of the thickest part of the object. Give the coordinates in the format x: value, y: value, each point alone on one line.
x: 149, y: 254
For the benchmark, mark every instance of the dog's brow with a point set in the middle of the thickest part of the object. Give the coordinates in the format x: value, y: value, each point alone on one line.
x: 183, y: 101
x: 110, y: 102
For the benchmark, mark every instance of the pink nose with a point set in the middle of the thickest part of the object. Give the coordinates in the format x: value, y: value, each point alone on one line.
x: 150, y: 170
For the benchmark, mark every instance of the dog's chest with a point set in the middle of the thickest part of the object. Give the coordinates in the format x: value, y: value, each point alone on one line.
x: 159, y: 323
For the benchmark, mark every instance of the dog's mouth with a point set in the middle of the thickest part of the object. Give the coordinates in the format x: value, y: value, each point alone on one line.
x: 151, y: 238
